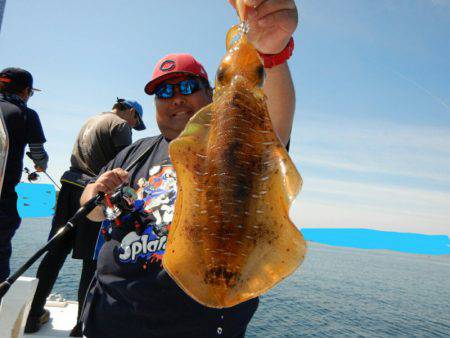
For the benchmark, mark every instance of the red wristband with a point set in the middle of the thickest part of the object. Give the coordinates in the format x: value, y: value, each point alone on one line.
x: 272, y: 60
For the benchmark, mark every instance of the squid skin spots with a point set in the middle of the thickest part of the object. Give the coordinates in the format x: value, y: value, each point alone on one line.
x: 231, y: 238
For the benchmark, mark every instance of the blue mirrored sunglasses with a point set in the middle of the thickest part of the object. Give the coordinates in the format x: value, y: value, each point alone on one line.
x: 185, y: 87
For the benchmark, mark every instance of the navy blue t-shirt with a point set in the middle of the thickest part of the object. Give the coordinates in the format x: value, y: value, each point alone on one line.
x: 23, y: 127
x: 131, y: 296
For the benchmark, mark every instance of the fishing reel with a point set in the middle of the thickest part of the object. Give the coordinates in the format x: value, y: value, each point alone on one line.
x: 124, y: 211
x: 31, y: 176
x: 121, y: 201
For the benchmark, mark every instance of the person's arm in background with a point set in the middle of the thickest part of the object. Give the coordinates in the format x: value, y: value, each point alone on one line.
x: 35, y: 138
x: 38, y: 155
x: 272, y: 23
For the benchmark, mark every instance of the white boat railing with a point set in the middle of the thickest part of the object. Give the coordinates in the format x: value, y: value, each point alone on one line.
x: 15, y: 306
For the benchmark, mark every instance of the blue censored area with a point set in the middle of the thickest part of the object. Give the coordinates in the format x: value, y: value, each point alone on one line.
x: 36, y: 200
x: 381, y: 240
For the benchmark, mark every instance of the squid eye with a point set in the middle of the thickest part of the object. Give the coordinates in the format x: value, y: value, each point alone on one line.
x: 220, y: 75
x: 261, y: 74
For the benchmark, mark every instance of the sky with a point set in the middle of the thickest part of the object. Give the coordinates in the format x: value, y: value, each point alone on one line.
x: 371, y: 135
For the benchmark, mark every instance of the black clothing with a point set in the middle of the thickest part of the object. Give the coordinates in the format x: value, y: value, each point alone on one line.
x: 85, y: 235
x: 38, y: 154
x: 131, y: 296
x: 68, y: 203
x: 98, y: 141
x: 23, y: 126
x: 9, y: 223
x: 86, y: 232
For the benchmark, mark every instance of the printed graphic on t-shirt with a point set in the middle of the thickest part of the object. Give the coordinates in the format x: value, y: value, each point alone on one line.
x: 156, y: 198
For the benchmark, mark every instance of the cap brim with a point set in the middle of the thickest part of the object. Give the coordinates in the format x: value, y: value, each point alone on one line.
x: 37, y: 90
x: 141, y: 125
x: 151, y: 86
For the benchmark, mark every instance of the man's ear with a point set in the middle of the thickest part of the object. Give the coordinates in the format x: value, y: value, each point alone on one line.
x: 26, y: 91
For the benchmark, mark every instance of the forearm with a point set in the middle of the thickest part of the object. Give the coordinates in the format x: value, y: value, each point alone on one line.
x: 97, y: 214
x: 106, y: 183
x: 38, y: 155
x: 280, y: 93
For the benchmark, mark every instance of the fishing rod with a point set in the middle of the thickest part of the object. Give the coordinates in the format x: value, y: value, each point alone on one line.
x: 72, y: 223
x: 33, y: 176
x: 82, y: 212
x: 51, y: 179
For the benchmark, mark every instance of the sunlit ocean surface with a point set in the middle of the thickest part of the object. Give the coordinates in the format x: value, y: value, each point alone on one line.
x: 336, y: 292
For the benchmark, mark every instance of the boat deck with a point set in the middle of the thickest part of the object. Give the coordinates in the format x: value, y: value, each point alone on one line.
x: 62, y: 319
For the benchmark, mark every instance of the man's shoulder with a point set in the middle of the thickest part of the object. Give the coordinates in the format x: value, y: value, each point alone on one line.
x: 31, y: 111
x: 15, y: 107
x: 144, y: 143
x: 7, y: 104
x: 147, y: 140
x: 9, y: 107
x: 135, y: 150
x: 105, y: 121
x: 111, y: 118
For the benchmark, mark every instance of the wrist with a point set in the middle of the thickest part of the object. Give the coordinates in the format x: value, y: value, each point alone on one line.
x: 272, y: 60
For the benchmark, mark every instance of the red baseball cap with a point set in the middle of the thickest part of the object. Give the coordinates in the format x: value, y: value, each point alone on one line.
x: 174, y: 65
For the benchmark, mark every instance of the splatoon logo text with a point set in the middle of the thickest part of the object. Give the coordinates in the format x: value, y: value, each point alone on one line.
x: 157, y: 196
x: 145, y: 246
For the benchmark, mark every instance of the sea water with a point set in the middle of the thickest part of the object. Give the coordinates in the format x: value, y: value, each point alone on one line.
x: 336, y: 292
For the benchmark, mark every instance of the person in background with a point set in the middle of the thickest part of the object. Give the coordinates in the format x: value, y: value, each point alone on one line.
x: 131, y: 295
x: 100, y: 139
x: 23, y: 127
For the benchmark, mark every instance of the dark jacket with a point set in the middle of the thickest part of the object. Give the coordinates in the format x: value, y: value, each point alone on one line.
x: 23, y: 127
